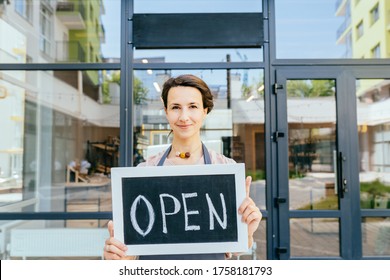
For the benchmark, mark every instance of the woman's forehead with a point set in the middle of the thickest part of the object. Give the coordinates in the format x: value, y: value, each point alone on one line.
x: 184, y: 94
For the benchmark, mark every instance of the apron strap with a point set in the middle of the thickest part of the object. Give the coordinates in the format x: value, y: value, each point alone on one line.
x: 206, y: 155
x: 161, y: 162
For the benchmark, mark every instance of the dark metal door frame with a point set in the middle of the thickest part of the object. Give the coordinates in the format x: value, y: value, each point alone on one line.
x: 350, y: 236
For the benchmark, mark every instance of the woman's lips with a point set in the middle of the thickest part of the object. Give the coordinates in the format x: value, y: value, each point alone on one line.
x: 184, y: 126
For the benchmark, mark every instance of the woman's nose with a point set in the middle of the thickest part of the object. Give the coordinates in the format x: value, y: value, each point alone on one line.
x: 183, y: 115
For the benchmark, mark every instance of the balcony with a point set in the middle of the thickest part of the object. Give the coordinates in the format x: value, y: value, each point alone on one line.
x: 69, y: 51
x: 72, y: 14
x: 341, y: 7
x: 343, y: 27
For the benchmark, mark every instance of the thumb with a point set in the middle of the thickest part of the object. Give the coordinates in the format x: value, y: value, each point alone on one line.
x: 111, y: 228
x: 248, y: 182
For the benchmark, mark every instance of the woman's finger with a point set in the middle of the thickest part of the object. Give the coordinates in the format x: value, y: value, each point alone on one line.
x: 248, y: 182
x: 110, y: 227
x: 247, y: 201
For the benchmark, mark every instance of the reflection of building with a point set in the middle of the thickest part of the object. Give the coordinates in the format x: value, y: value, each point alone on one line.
x: 49, y: 115
x: 365, y: 34
x: 152, y: 79
x: 364, y: 29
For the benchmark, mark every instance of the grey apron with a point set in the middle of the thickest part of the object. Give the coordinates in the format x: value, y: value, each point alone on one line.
x: 219, y: 256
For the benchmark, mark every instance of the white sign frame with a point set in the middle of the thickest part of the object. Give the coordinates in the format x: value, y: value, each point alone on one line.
x: 238, y: 170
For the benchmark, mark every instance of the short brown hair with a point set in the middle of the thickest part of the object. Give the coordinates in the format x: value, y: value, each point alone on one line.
x: 189, y: 80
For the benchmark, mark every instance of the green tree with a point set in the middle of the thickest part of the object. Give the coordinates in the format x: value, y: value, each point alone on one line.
x: 140, y: 91
x: 246, y: 90
x: 310, y: 88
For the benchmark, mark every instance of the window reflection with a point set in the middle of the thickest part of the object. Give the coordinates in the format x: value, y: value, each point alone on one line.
x: 311, y: 108
x: 61, y: 141
x: 234, y: 128
x: 59, y: 31
x: 314, y: 237
x: 349, y: 29
x: 373, y: 103
x: 376, y: 236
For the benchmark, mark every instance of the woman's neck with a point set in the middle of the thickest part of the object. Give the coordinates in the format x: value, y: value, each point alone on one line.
x: 186, y: 146
x: 190, y: 151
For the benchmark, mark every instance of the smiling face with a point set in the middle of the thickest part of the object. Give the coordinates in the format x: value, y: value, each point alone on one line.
x: 185, y: 113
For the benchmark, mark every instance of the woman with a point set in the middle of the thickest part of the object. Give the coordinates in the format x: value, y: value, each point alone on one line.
x: 187, y: 100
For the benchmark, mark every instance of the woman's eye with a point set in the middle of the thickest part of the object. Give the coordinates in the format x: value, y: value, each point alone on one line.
x: 175, y: 107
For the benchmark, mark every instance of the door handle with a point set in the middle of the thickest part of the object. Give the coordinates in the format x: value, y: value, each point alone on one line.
x: 341, y: 181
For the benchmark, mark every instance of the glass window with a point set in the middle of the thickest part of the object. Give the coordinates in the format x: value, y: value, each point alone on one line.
x: 46, y: 31
x: 376, y: 51
x: 62, y: 140
x: 326, y: 30
x: 376, y: 236
x: 24, y: 8
x: 373, y: 103
x: 374, y: 13
x: 359, y: 30
x: 200, y: 55
x: 305, y: 29
x: 235, y: 127
x: 314, y: 237
x: 311, y: 106
x: 62, y: 32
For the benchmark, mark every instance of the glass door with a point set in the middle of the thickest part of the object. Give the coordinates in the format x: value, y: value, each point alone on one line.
x: 312, y: 180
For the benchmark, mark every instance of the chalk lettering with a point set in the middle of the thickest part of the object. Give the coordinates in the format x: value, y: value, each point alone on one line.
x: 213, y: 212
x: 187, y: 213
x: 164, y: 197
x: 133, y: 218
x: 164, y: 213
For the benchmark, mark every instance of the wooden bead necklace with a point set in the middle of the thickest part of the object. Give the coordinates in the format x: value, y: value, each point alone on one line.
x: 185, y: 154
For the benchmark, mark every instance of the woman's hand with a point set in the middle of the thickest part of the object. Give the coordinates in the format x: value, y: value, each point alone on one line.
x: 250, y: 213
x: 113, y: 248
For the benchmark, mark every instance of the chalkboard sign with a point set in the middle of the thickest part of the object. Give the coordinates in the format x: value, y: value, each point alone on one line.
x: 179, y: 209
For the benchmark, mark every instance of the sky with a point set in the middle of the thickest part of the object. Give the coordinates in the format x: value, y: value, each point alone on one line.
x: 305, y: 28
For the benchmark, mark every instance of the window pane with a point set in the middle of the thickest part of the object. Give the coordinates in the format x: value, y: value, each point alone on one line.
x: 24, y: 9
x: 305, y: 29
x: 329, y: 29
x: 201, y: 55
x: 376, y: 236
x: 60, y: 32
x: 311, y: 106
x: 374, y: 13
x: 314, y: 237
x: 235, y: 127
x: 62, y: 140
x: 373, y: 109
